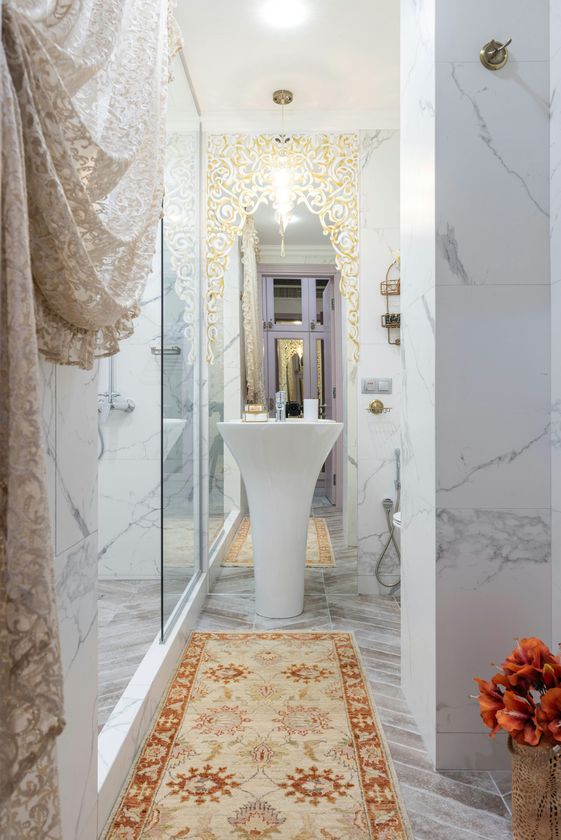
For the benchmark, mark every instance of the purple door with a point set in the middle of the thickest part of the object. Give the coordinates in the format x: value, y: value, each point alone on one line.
x: 298, y: 345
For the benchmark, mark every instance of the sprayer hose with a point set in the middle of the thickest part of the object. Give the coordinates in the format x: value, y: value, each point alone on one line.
x: 391, y: 539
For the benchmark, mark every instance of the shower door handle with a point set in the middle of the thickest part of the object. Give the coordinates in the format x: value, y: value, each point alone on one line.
x: 173, y: 350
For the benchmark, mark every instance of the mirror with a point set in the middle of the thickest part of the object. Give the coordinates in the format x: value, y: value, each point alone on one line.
x: 290, y: 368
x: 297, y: 327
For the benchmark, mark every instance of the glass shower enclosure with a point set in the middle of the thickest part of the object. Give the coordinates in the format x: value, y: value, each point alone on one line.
x: 150, y: 431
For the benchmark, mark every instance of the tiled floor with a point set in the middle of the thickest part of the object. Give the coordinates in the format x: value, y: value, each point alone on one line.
x: 128, y: 623
x: 460, y: 805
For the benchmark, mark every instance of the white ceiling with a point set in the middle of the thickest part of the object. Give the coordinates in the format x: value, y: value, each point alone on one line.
x: 304, y: 229
x: 338, y: 55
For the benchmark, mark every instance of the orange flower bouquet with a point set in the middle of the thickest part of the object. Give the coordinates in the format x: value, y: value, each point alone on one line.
x: 524, y: 697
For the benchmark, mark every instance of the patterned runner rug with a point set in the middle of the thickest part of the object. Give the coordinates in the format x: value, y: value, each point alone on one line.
x: 319, y: 551
x: 264, y: 736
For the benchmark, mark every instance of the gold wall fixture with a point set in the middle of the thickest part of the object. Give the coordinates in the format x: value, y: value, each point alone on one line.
x: 377, y: 407
x: 390, y: 287
x: 494, y: 55
x: 240, y: 171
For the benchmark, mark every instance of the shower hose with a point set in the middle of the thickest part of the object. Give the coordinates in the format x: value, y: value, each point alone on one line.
x: 388, y: 507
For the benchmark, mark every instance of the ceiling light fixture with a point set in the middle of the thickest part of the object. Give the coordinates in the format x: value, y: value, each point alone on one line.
x: 284, y: 14
x: 282, y: 175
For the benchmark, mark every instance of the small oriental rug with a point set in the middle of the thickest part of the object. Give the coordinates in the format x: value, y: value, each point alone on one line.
x: 264, y: 736
x: 319, y: 551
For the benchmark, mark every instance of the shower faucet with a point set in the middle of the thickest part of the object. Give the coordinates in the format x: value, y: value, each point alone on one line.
x: 280, y: 403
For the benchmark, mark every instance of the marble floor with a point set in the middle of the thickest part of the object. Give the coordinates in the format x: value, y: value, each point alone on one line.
x: 342, y: 578
x: 122, y: 606
x: 460, y: 805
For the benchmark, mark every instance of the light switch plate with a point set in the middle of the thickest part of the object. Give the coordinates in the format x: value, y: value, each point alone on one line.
x: 376, y: 386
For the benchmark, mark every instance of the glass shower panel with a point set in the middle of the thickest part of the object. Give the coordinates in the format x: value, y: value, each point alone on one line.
x: 225, y: 398
x: 179, y: 351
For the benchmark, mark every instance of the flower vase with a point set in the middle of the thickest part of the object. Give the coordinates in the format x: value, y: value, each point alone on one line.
x: 536, y: 792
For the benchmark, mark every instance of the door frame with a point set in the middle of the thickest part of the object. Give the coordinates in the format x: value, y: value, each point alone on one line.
x: 296, y: 271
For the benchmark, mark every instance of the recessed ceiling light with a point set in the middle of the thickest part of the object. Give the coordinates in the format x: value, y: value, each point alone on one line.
x: 284, y: 14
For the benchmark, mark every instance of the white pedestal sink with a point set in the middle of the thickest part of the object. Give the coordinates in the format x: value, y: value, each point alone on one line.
x: 280, y: 464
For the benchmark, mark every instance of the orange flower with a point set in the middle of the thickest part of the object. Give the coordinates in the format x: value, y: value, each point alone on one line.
x: 549, y: 714
x: 552, y: 675
x: 490, y: 702
x: 519, y: 718
x: 524, y: 666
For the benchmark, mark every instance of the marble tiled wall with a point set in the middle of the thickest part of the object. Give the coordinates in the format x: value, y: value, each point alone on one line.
x: 555, y: 232
x: 70, y: 423
x: 484, y: 219
x: 492, y: 356
x: 418, y: 362
x: 378, y: 436
x: 129, y: 470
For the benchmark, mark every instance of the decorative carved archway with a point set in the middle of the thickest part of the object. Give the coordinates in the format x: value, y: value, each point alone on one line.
x: 240, y: 177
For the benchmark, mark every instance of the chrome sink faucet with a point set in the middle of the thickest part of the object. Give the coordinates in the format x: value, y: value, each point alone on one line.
x: 280, y: 402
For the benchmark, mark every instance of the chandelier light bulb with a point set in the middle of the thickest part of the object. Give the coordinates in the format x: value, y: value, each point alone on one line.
x: 281, y: 177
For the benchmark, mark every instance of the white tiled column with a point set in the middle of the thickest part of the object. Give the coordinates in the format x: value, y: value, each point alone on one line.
x: 378, y: 435
x: 476, y: 196
x: 555, y: 232
x: 70, y: 423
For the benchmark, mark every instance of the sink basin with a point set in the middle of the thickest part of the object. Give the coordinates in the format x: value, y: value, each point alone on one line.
x: 280, y: 464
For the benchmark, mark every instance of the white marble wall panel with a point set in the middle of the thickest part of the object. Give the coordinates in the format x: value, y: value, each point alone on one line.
x: 555, y: 140
x: 481, y: 168
x: 487, y: 561
x: 130, y: 518
x: 417, y: 207
x: 485, y: 218
x: 76, y: 575
x: 418, y: 535
x: 492, y: 356
x: 555, y: 249
x: 492, y: 416
x: 69, y: 421
x: 462, y: 28
x: 378, y: 436
x: 350, y: 437
x: 76, y: 471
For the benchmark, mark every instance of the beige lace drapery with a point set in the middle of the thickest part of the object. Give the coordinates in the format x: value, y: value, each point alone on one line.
x: 90, y: 78
x: 252, y: 315
x: 83, y: 108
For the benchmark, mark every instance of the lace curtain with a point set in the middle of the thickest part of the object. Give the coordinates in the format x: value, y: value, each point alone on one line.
x: 83, y: 120
x: 252, y: 315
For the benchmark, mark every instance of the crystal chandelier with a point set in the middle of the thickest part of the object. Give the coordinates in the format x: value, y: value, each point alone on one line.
x: 282, y: 175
